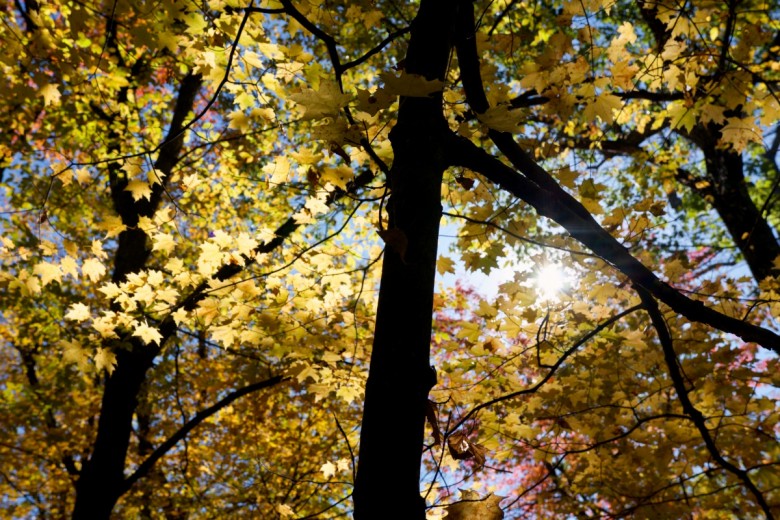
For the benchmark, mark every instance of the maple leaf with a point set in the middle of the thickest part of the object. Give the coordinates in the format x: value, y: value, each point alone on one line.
x: 73, y: 352
x: 147, y: 334
x: 324, y: 102
x: 77, y: 312
x: 396, y: 239
x: 502, y: 118
x: 474, y: 507
x: 371, y: 103
x: 93, y: 268
x: 410, y: 85
x: 48, y: 272
x: 105, y: 359
x: 112, y: 225
x: 603, y: 106
x: 739, y: 132
x: 163, y: 242
x: 246, y: 244
x: 445, y: 265
x: 328, y: 469
x: 50, y: 94
x: 69, y: 266
x: 139, y: 189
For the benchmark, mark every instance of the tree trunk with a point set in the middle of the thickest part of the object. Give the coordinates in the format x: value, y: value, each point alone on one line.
x: 102, y: 481
x: 400, y: 376
x: 728, y: 194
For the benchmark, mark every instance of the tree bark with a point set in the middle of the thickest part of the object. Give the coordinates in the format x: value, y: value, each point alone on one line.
x: 400, y: 376
x: 727, y: 193
x: 101, y: 482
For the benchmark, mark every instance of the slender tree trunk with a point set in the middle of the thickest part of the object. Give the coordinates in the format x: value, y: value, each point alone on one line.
x: 400, y: 376
x: 102, y: 480
x: 100, y: 484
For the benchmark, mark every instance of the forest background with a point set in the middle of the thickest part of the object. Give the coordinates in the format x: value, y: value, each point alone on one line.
x: 220, y: 242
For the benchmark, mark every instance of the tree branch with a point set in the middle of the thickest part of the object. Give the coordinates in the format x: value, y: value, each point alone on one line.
x: 199, y: 417
x: 571, y: 350
x: 572, y: 216
x: 665, y: 338
x: 539, y: 189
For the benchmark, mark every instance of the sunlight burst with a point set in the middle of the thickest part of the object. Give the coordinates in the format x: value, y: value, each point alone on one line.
x: 551, y: 280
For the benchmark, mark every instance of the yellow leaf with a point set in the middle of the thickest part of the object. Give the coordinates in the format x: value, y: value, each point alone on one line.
x: 77, y: 312
x: 97, y: 249
x: 739, y: 132
x: 139, y: 189
x: 74, y: 353
x: 410, y: 85
x: 328, y: 469
x: 502, y: 118
x: 147, y: 334
x: 69, y: 266
x: 112, y: 225
x: 603, y: 106
x: 445, y: 265
x: 246, y: 244
x: 163, y: 242
x: 82, y: 176
x: 48, y: 272
x: 105, y: 358
x: 50, y: 94
x: 93, y: 268
x: 323, y: 102
x: 373, y: 103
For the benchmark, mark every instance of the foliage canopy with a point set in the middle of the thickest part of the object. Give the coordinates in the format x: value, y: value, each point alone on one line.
x: 222, y: 224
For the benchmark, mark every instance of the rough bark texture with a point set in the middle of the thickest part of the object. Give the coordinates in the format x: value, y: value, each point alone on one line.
x: 400, y: 376
x: 101, y: 482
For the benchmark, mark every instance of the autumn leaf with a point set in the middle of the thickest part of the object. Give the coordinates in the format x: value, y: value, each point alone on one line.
x: 50, y: 94
x: 473, y: 507
x: 410, y: 85
x: 105, y: 359
x: 93, y: 269
x: 139, y: 189
x: 328, y: 469
x: 324, y: 102
x: 502, y: 118
x: 48, y: 272
x: 147, y: 334
x: 604, y: 106
x: 396, y: 239
x: 77, y: 312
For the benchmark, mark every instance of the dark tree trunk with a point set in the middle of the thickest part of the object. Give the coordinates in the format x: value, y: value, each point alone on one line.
x: 727, y: 193
x: 101, y: 482
x: 102, y: 479
x: 400, y: 376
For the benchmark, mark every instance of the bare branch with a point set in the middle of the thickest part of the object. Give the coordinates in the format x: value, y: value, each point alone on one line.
x: 187, y: 427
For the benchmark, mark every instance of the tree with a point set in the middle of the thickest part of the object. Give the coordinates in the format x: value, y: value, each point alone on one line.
x: 203, y: 199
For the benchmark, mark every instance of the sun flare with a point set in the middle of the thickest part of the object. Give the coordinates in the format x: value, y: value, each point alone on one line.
x: 551, y: 280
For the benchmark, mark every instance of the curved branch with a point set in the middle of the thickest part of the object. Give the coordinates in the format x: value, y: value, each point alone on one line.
x: 199, y: 417
x: 539, y: 189
x: 665, y: 338
x: 601, y: 326
x: 521, y: 238
x: 572, y: 216
x: 327, y: 39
